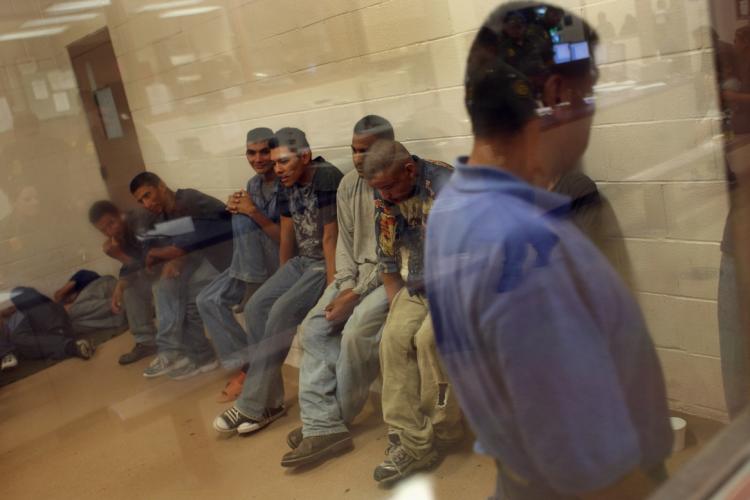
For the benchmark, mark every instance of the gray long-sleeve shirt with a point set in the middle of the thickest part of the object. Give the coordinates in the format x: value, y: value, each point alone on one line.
x: 356, y: 255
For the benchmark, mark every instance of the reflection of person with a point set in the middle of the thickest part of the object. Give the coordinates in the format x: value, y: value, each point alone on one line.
x: 307, y: 205
x: 255, y: 222
x: 133, y: 289
x: 186, y: 263
x: 341, y: 333
x: 418, y: 405
x: 734, y: 74
x: 547, y: 350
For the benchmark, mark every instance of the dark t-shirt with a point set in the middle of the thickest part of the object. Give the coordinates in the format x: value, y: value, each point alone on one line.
x: 83, y: 278
x: 212, y: 236
x: 311, y: 207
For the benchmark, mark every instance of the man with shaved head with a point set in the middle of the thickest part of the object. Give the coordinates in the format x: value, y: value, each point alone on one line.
x: 418, y: 406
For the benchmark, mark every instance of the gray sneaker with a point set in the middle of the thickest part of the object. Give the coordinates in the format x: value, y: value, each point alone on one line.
x: 191, y: 369
x: 161, y: 366
x: 400, y: 464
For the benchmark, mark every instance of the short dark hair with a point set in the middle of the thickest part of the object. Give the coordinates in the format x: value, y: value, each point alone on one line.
x: 259, y: 134
x: 144, y: 179
x: 382, y: 155
x: 100, y: 208
x: 292, y: 138
x: 375, y: 125
x: 504, y: 82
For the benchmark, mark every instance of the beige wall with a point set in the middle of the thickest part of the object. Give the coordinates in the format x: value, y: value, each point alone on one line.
x: 197, y: 83
x: 48, y: 166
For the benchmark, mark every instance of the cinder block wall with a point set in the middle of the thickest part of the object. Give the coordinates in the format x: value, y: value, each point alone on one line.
x: 197, y: 83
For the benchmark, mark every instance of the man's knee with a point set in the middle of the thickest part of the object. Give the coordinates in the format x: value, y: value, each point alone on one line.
x: 424, y: 340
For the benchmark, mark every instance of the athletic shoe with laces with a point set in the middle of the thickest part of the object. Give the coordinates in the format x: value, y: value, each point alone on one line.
x: 192, y: 369
x: 9, y: 361
x: 161, y: 366
x: 84, y: 349
x: 269, y: 415
x: 401, y: 464
x: 229, y: 420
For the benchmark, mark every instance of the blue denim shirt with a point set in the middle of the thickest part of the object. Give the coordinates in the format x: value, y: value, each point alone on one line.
x: 267, y: 206
x: 402, y: 225
x: 546, y: 348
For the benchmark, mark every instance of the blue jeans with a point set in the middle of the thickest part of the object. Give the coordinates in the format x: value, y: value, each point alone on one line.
x: 180, y: 331
x: 138, y: 298
x: 734, y: 363
x: 271, y: 316
x: 255, y: 257
x: 339, y: 364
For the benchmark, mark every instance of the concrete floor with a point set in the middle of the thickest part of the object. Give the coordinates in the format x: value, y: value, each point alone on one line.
x: 98, y: 430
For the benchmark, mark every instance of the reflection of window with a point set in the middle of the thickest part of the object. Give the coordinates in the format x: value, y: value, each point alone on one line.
x: 6, y: 117
x: 743, y: 9
x: 105, y: 101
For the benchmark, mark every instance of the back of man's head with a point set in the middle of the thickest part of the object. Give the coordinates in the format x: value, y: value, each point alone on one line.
x: 144, y: 179
x: 291, y: 138
x: 260, y: 134
x: 374, y: 125
x: 384, y: 155
x: 101, y: 208
x: 504, y: 85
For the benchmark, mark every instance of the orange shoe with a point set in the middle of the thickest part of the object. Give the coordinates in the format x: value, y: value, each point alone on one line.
x: 233, y: 388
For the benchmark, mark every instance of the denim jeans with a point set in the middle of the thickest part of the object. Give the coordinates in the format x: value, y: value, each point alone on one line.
x: 138, y: 299
x: 255, y: 257
x: 339, y: 364
x: 271, y: 316
x: 735, y: 368
x: 180, y: 331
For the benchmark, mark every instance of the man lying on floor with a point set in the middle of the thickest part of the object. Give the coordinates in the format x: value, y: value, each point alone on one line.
x: 36, y: 327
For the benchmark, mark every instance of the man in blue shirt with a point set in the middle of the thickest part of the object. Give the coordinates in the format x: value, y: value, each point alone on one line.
x: 547, y: 350
x: 255, y: 257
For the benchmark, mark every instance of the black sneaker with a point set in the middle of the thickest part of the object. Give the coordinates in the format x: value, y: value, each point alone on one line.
x: 230, y: 420
x: 400, y: 464
x: 251, y: 425
x: 139, y: 352
x: 294, y: 438
x: 318, y: 448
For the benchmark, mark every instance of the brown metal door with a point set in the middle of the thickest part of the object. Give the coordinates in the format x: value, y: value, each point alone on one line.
x: 108, y: 114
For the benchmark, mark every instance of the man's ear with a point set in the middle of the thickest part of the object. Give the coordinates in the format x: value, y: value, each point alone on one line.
x: 306, y: 157
x: 552, y: 91
x: 411, y: 169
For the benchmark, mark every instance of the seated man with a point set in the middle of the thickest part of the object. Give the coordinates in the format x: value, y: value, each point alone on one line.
x: 35, y: 327
x: 545, y: 346
x: 418, y: 406
x: 187, y: 253
x: 133, y: 290
x: 341, y: 334
x: 87, y: 297
x: 308, y: 219
x: 255, y: 222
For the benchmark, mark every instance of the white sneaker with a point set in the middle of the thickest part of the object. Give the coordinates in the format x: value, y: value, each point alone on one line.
x: 9, y: 361
x: 161, y: 366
